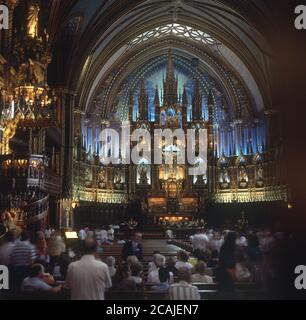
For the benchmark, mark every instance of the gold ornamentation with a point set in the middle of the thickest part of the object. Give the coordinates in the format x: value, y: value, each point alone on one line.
x: 32, y: 20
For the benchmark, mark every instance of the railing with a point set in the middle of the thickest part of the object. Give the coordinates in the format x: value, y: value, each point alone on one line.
x: 35, y: 211
x: 26, y: 182
x: 31, y: 171
x: 265, y: 194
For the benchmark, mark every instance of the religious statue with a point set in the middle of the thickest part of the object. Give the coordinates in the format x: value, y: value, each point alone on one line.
x: 88, y: 177
x: 32, y: 20
x: 259, y: 177
x: 142, y: 170
x: 224, y: 178
x: 102, y: 178
x: 243, y: 177
x: 260, y: 174
x: 118, y: 179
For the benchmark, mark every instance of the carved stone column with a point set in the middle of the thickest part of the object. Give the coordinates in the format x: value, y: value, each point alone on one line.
x: 65, y: 106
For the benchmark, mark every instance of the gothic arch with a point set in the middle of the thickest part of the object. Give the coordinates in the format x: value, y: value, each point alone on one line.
x: 208, y: 64
x: 243, y: 45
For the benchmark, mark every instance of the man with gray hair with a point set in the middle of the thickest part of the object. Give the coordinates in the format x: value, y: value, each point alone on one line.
x: 160, y: 262
x: 111, y: 261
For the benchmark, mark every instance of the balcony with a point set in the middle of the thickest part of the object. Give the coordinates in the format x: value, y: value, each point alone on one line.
x: 31, y: 171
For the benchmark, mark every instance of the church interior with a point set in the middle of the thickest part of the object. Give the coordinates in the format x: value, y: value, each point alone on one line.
x: 73, y: 71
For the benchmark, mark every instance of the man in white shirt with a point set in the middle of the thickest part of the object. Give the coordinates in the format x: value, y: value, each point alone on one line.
x: 200, y: 241
x: 104, y: 235
x: 217, y: 242
x: 82, y: 235
x: 88, y: 278
x: 110, y: 234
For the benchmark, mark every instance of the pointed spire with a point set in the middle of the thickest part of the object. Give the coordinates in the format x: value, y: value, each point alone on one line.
x: 185, y: 105
x: 157, y: 106
x: 156, y: 98
x: 184, y: 98
x: 170, y: 83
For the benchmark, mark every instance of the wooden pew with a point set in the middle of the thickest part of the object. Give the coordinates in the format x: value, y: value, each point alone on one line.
x: 135, y: 295
x: 241, y: 291
x: 124, y: 295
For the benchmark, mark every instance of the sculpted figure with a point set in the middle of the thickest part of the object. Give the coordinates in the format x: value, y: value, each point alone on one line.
x: 32, y: 20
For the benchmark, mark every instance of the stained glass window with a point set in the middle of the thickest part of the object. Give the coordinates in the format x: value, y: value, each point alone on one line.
x: 177, y: 30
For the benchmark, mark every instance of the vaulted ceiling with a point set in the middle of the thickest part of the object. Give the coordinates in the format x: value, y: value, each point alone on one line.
x: 95, y: 36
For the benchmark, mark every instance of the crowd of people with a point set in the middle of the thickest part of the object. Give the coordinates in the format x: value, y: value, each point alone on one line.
x: 106, y: 235
x: 237, y: 256
x: 47, y: 264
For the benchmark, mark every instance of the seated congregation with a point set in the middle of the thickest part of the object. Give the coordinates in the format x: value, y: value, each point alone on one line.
x: 213, y: 265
